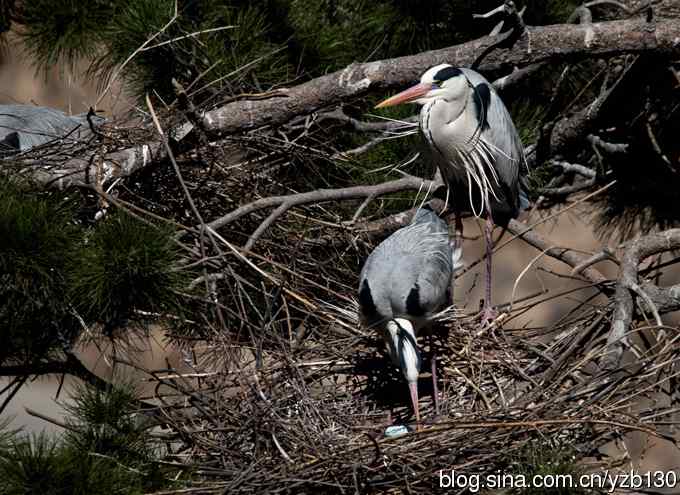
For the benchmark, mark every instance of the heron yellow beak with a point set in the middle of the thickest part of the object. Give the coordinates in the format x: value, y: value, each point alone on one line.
x: 406, y: 96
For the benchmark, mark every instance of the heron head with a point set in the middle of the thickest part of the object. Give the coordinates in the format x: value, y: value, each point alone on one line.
x: 403, y: 346
x: 439, y: 82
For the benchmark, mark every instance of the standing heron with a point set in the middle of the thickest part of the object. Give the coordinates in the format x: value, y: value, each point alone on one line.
x: 403, y: 283
x: 474, y: 143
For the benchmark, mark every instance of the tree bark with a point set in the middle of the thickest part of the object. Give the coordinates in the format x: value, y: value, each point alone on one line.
x: 537, y: 44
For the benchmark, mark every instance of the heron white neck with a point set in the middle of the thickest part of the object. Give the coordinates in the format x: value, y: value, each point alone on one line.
x: 403, y: 338
x: 443, y: 121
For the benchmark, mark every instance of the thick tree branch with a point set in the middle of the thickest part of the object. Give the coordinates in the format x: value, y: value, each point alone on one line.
x: 658, y: 299
x: 537, y: 44
x: 82, y: 170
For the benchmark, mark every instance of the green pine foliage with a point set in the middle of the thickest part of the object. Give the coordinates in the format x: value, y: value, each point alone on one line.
x: 30, y: 465
x: 64, y: 30
x: 269, y: 42
x: 53, y: 271
x: 106, y: 450
x: 37, y: 241
x: 546, y: 461
x: 126, y: 265
x: 227, y: 46
x: 126, y: 31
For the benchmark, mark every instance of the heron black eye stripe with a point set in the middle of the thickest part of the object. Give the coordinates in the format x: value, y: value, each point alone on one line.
x: 447, y: 73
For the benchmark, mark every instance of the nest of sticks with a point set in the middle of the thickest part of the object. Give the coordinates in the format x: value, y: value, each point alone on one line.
x: 290, y: 395
x: 307, y: 414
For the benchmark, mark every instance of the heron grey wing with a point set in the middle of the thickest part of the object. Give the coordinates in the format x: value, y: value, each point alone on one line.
x: 367, y: 303
x: 426, y: 215
x: 501, y: 137
x: 501, y: 131
x: 431, y: 262
x: 38, y: 125
x: 434, y: 279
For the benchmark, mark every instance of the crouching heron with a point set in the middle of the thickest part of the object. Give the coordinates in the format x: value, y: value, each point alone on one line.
x: 474, y: 143
x: 23, y: 127
x: 403, y: 283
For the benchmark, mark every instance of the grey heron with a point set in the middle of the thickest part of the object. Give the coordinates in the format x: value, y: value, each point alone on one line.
x: 474, y: 143
x: 23, y: 127
x: 403, y: 283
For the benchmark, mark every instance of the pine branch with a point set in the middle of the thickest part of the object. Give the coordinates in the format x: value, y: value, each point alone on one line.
x: 537, y: 44
x: 70, y: 365
x: 657, y: 299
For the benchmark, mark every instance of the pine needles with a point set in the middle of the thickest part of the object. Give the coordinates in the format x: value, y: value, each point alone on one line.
x: 37, y: 240
x: 107, y: 449
x: 124, y: 266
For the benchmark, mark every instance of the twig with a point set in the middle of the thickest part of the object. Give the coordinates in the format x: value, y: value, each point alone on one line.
x: 44, y: 417
x: 612, y: 148
x: 648, y: 301
x: 574, y: 168
x: 344, y: 155
x: 571, y: 258
x: 657, y: 147
x: 273, y: 216
x: 321, y: 196
x: 362, y: 126
x: 517, y: 29
x: 604, y: 254
x: 190, y: 35
x: 122, y: 66
x: 595, y: 3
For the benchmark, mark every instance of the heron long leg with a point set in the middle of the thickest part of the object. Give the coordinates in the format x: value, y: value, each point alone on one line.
x: 488, y: 314
x: 459, y: 226
x: 435, y: 390
x: 456, y: 242
x: 413, y: 387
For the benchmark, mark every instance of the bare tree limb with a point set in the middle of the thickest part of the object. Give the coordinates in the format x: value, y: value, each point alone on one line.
x: 362, y: 126
x: 659, y: 299
x: 612, y: 148
x: 604, y: 254
x: 537, y: 44
x: 571, y: 258
x: 79, y: 171
x: 284, y: 203
x: 613, y: 3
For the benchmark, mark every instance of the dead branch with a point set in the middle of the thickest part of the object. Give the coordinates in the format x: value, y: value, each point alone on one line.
x: 70, y: 365
x: 612, y: 148
x: 78, y: 170
x: 537, y: 44
x: 320, y: 196
x: 362, y: 126
x: 604, y: 254
x: 659, y: 300
x: 571, y: 258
